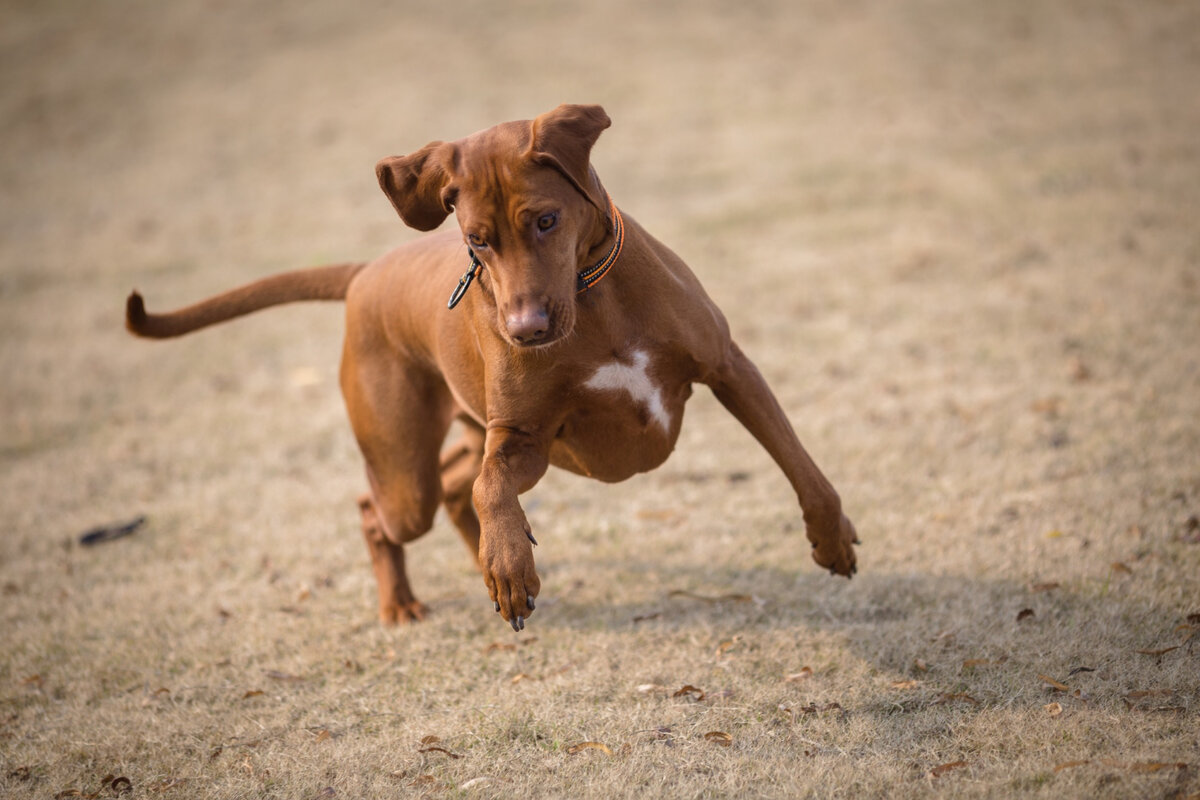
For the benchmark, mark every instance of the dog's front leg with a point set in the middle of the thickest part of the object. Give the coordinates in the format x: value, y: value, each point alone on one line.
x: 513, y: 462
x: 742, y: 390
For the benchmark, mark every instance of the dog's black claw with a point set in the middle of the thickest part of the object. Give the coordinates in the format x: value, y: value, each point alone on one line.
x: 497, y: 608
x: 518, y: 624
x: 529, y: 601
x: 530, y: 535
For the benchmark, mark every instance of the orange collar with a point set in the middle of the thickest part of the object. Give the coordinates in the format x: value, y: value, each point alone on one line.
x: 593, y: 275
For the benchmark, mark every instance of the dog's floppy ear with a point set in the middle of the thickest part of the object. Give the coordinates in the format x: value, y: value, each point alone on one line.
x: 563, y: 139
x: 418, y: 184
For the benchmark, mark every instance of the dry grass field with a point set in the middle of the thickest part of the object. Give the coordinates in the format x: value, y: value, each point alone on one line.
x: 961, y: 239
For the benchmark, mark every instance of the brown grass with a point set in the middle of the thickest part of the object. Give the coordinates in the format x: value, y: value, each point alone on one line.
x: 961, y: 240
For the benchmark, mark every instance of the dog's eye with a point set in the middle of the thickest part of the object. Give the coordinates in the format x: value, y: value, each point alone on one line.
x: 546, y: 222
x: 475, y: 240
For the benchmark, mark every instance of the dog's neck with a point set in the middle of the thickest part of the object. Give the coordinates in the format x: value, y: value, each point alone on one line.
x: 614, y: 238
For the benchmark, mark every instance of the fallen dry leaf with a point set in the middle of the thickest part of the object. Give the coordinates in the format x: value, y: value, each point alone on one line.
x: 942, y: 769
x: 482, y: 780
x: 579, y: 748
x: 108, y: 533
x: 1053, y: 709
x: 905, y: 684
x: 804, y: 674
x: 647, y: 688
x: 1046, y: 679
x: 520, y: 676
x: 1121, y: 568
x: 727, y: 645
x: 1160, y: 652
x: 646, y: 617
x: 253, y: 693
x: 920, y: 665
x: 688, y: 690
x: 437, y: 749
x: 813, y: 708
x: 971, y: 663
x: 719, y: 737
x: 1024, y: 614
x: 1070, y: 764
x: 1039, y: 588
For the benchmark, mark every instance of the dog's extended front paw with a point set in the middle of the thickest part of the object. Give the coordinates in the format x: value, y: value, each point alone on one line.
x: 833, y: 549
x: 506, y: 561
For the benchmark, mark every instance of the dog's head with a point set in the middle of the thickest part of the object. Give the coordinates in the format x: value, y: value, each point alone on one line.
x: 529, y: 206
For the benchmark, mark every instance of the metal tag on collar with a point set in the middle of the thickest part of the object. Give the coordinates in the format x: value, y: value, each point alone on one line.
x: 464, y: 282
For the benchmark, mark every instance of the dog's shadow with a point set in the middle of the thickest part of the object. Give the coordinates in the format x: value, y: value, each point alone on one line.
x: 947, y: 630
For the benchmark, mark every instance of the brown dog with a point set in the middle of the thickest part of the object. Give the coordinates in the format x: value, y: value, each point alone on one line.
x: 578, y: 347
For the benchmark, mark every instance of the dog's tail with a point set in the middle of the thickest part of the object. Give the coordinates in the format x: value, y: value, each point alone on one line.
x: 318, y: 283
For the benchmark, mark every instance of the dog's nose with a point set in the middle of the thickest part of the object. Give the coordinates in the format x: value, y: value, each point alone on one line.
x: 528, y: 325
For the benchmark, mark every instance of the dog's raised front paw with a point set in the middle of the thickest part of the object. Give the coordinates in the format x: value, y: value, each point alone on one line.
x: 510, y: 575
x: 834, y: 549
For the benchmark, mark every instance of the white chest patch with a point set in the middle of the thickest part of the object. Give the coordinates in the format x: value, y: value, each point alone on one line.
x: 632, y: 378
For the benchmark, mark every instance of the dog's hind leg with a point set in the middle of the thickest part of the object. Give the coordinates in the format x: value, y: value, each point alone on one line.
x: 396, y: 600
x: 400, y: 417
x: 460, y: 467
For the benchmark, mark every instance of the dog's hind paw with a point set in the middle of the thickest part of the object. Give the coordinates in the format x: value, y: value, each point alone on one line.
x: 403, y: 613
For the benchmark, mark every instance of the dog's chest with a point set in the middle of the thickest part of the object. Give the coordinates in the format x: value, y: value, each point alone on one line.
x: 625, y: 418
x: 631, y: 382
